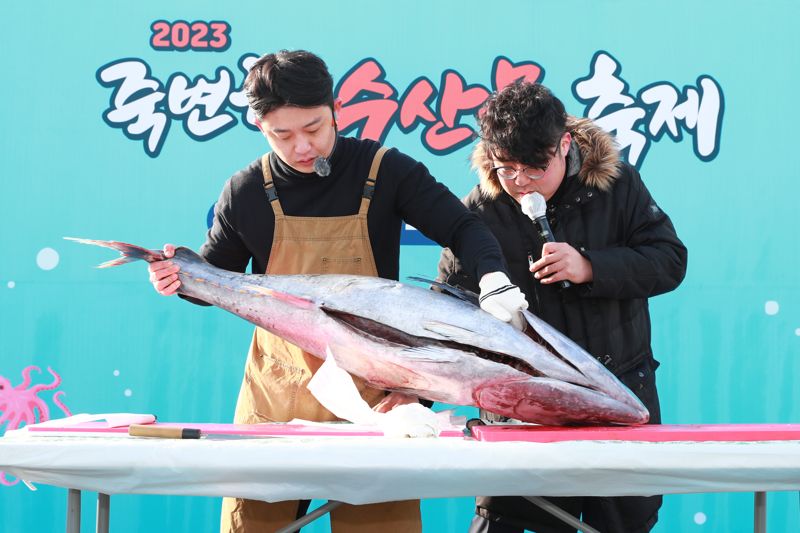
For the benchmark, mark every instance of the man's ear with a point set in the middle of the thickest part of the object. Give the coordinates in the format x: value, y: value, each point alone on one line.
x: 566, y: 140
x: 258, y: 125
x: 337, y: 107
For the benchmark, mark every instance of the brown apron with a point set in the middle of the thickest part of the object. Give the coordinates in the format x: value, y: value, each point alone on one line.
x: 276, y: 373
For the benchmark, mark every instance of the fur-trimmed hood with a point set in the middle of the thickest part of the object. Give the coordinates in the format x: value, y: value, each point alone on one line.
x: 593, y: 156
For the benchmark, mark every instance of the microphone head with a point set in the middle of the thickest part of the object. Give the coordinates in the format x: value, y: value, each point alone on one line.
x: 533, y: 205
x: 322, y: 166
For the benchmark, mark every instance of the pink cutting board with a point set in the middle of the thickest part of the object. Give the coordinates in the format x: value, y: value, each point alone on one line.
x: 246, y: 430
x: 647, y: 433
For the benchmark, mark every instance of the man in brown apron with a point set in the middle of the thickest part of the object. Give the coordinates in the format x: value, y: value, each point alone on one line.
x: 316, y: 205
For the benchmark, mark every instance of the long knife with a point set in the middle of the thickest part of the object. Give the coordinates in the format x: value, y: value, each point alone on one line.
x: 172, y: 432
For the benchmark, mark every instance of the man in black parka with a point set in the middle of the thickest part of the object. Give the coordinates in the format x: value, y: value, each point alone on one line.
x: 613, y: 244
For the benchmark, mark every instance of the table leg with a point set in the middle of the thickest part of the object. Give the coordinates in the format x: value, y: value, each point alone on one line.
x: 103, y: 512
x: 560, y: 513
x: 310, y: 517
x: 74, y: 511
x: 760, y: 513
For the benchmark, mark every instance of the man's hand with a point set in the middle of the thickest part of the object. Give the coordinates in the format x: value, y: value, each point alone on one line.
x: 560, y: 261
x: 502, y: 300
x: 392, y: 400
x: 164, y: 274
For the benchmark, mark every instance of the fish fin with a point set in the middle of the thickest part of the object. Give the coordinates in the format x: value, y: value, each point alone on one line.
x: 450, y: 331
x: 129, y: 252
x: 303, y: 303
x: 431, y: 354
x: 452, y: 290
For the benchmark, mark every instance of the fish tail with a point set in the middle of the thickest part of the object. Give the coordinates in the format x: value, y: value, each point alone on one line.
x: 129, y: 252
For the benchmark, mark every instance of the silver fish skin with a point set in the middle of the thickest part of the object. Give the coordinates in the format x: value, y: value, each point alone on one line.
x: 405, y: 338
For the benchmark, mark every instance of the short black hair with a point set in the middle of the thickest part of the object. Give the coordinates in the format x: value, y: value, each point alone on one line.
x: 522, y: 122
x: 288, y: 78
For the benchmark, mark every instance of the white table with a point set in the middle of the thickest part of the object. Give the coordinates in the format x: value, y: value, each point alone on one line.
x: 360, y: 470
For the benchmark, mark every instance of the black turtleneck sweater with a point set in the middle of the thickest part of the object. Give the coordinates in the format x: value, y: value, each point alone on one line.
x: 244, y: 221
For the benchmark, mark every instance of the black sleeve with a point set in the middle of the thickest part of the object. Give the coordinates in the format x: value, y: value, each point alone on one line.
x: 450, y: 269
x: 430, y: 207
x: 224, y: 247
x: 652, y: 260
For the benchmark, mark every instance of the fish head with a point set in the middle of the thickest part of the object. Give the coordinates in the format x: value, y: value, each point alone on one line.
x: 553, y: 402
x: 561, y: 384
x: 555, y: 381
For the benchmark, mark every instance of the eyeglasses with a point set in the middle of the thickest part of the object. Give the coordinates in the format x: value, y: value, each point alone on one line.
x: 533, y: 173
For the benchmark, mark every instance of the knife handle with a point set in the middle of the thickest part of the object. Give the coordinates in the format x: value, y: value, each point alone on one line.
x: 140, y: 430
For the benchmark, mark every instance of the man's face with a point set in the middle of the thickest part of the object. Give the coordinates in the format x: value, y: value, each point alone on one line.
x: 298, y: 135
x: 546, y: 181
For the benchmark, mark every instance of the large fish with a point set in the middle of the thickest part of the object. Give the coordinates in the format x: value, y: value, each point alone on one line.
x: 405, y: 338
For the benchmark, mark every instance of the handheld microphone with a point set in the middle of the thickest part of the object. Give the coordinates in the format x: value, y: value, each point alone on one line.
x: 535, y: 207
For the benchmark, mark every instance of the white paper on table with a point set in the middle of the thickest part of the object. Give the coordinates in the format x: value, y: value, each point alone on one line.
x: 335, y: 390
x: 113, y: 420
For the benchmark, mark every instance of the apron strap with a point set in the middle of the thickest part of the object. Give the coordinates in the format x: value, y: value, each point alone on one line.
x: 269, y: 186
x: 369, y: 186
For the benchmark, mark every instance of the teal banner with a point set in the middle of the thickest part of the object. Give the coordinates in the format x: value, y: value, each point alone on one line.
x: 122, y: 121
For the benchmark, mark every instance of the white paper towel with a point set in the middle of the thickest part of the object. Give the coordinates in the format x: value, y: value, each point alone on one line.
x: 335, y: 390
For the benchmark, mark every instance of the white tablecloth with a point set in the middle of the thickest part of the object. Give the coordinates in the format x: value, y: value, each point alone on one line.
x: 362, y: 470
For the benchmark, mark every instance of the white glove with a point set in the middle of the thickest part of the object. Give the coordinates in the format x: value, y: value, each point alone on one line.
x: 502, y: 300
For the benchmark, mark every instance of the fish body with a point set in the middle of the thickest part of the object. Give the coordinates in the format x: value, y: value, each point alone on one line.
x: 405, y: 338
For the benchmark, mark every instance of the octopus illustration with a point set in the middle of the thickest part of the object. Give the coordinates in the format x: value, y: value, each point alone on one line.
x: 21, y: 404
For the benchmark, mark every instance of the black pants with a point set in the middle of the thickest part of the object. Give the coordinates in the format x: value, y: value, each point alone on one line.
x: 607, y: 515
x: 628, y: 514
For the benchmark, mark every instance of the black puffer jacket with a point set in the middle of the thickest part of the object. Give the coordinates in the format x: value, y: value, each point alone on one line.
x: 604, y: 210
